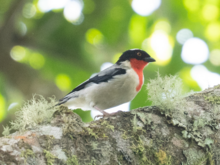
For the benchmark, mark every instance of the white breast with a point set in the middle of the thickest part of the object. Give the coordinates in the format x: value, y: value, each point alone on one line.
x: 105, y: 95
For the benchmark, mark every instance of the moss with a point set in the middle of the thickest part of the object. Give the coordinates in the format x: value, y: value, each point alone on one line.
x: 134, y: 123
x: 71, y: 122
x: 93, y: 162
x: 50, y: 158
x: 210, y: 159
x: 72, y: 160
x: 94, y: 145
x: 90, y: 132
x: 139, y: 149
x: 107, y: 125
x: 212, y: 99
x: 49, y: 139
x: 27, y: 153
x: 162, y: 157
x: 104, y: 136
x: 124, y: 136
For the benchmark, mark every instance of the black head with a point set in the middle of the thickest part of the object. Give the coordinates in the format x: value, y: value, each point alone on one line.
x: 137, y: 54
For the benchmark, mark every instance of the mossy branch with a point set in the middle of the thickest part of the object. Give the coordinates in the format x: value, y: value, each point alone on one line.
x: 159, y: 135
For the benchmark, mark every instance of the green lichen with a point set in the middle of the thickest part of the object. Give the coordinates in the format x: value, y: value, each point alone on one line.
x: 208, y: 142
x: 90, y: 132
x: 198, y: 138
x: 27, y: 153
x: 200, y: 159
x: 94, y: 145
x: 124, y: 136
x: 139, y: 149
x: 216, y: 112
x: 145, y: 118
x: 194, y: 156
x: 72, y: 160
x: 199, y: 123
x: 212, y: 99
x: 71, y: 122
x: 49, y: 139
x: 107, y: 125
x: 50, y: 158
x: 93, y: 162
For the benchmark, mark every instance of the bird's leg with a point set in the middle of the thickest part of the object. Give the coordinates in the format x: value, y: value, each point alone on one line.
x: 104, y: 114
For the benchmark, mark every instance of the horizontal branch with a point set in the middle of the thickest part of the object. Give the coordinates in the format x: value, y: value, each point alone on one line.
x: 142, y: 136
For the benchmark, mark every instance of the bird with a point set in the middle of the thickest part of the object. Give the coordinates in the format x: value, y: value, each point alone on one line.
x: 115, y: 85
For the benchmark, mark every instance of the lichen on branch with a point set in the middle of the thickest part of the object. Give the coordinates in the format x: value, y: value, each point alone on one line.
x: 164, y: 134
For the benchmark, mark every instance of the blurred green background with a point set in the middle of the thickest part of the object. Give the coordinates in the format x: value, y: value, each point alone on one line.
x: 48, y: 47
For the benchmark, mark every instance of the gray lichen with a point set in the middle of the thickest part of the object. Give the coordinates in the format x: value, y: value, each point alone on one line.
x: 149, y: 135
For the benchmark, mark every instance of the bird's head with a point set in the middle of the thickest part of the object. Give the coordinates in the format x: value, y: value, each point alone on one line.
x: 137, y: 58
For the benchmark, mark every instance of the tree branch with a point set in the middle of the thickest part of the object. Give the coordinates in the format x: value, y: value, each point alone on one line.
x: 143, y: 136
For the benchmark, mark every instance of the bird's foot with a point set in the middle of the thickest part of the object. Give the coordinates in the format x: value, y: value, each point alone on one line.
x: 105, y: 114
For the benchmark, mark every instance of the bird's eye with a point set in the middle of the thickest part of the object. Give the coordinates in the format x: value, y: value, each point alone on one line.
x: 139, y: 53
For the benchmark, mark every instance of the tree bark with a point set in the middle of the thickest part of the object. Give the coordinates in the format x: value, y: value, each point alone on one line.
x: 142, y: 136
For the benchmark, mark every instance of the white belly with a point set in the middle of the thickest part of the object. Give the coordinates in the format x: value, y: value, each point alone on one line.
x: 107, y: 94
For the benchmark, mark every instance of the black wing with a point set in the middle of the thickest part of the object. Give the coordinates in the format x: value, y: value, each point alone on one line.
x: 103, y: 76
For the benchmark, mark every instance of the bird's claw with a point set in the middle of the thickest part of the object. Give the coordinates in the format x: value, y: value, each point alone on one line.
x: 108, y: 114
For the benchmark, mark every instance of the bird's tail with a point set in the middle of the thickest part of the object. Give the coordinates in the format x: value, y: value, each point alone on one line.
x: 62, y: 101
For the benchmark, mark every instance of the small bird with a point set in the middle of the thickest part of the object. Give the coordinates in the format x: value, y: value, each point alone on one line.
x: 113, y: 86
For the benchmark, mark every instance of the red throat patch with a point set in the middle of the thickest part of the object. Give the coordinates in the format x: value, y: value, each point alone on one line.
x: 138, y: 66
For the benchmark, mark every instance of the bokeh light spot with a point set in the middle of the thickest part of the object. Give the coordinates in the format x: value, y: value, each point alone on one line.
x: 183, y: 35
x: 163, y: 25
x: 29, y: 10
x: 212, y: 31
x: 36, y: 60
x: 215, y: 57
x: 204, y: 77
x: 63, y: 82
x: 94, y: 36
x: 18, y: 53
x: 195, y: 51
x: 2, y: 108
x: 47, y: 5
x: 145, y: 7
x: 73, y: 11
x: 162, y: 47
x: 191, y: 5
x: 210, y: 12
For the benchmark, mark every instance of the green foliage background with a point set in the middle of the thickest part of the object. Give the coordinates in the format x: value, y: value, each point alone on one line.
x: 54, y: 55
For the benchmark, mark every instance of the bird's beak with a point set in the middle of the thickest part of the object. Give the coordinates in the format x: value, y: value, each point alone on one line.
x: 149, y: 59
